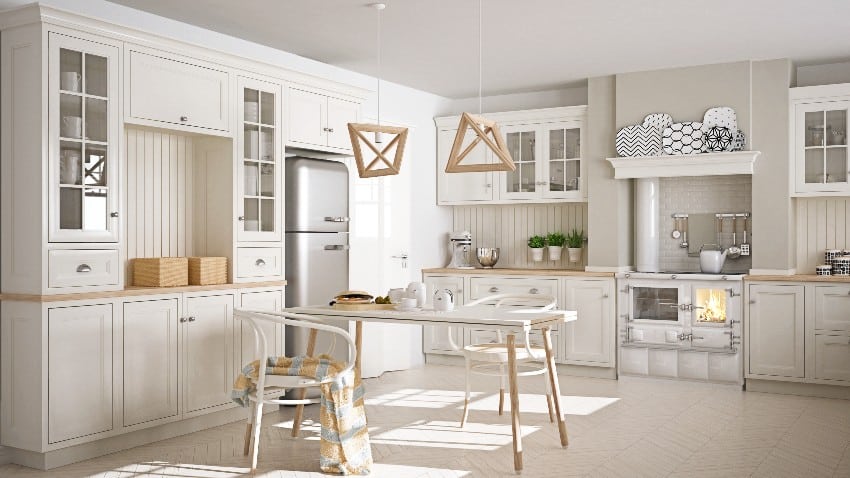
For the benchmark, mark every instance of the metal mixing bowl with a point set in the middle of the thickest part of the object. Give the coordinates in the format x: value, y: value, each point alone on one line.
x: 487, y: 256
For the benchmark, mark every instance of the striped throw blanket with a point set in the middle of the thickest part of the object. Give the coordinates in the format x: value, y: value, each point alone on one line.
x: 345, y: 445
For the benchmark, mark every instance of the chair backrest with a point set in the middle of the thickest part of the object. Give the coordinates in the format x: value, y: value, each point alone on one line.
x: 254, y: 317
x: 535, y: 301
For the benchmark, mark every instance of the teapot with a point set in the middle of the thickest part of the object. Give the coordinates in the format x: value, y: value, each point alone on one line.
x: 444, y: 300
x: 711, y: 258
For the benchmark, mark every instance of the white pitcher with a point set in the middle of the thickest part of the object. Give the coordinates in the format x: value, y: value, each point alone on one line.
x: 417, y: 291
x: 444, y: 300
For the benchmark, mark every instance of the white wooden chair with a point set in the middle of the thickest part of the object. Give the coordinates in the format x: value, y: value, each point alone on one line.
x: 492, y: 358
x: 282, y: 382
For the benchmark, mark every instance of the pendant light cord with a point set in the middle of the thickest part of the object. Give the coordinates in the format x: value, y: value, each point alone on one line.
x: 480, y: 14
x: 380, y: 12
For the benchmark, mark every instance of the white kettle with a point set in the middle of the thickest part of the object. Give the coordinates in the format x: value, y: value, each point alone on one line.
x: 711, y: 258
x: 444, y: 300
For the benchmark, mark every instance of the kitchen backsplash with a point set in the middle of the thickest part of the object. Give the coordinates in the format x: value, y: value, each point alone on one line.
x: 822, y: 223
x: 508, y: 227
x: 693, y: 195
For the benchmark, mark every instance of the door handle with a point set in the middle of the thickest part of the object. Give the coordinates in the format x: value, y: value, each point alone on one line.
x: 493, y: 290
x: 259, y: 263
x: 337, y: 219
x: 402, y: 256
x: 83, y: 268
x: 533, y: 290
x: 337, y: 247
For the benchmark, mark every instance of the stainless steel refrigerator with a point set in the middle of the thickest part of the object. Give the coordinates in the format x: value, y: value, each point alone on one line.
x: 316, y: 242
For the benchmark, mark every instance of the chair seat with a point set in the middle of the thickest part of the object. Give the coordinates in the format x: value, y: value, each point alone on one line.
x: 290, y: 381
x: 499, y: 352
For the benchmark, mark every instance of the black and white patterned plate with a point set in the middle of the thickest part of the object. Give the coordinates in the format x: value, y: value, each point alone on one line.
x: 718, y: 139
x: 683, y: 138
x: 740, y: 141
x: 722, y: 116
x: 638, y: 140
x: 658, y: 120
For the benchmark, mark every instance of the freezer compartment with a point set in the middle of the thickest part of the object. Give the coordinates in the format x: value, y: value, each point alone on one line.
x: 316, y: 195
x: 316, y: 267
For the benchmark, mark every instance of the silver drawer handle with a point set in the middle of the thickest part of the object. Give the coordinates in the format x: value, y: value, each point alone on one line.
x: 493, y: 290
x: 533, y: 290
x: 336, y: 247
x: 337, y: 219
x: 184, y: 118
x: 83, y: 268
x: 260, y: 263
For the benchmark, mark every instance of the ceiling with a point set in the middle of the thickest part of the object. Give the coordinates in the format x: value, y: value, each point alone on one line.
x: 528, y: 45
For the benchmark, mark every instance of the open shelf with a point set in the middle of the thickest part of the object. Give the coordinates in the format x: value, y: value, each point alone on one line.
x: 704, y: 164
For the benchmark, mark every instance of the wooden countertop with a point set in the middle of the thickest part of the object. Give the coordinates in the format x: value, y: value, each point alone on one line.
x: 798, y: 278
x: 138, y: 291
x: 524, y: 272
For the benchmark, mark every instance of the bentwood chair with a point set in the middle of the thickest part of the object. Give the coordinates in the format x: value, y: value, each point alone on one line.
x: 492, y: 358
x: 282, y: 382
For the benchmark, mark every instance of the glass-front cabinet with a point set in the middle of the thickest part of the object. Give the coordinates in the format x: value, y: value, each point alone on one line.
x: 821, y: 152
x: 83, y: 130
x: 522, y: 183
x: 258, y: 161
x: 562, y: 170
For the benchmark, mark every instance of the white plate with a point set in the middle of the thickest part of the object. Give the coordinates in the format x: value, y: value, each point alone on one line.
x: 722, y: 116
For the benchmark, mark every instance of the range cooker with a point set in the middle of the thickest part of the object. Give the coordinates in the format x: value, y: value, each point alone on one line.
x: 682, y: 325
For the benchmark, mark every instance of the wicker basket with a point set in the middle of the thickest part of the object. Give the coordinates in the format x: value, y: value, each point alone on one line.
x: 207, y: 270
x: 161, y: 272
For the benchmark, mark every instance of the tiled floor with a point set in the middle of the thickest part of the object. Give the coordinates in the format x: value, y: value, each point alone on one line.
x: 627, y: 428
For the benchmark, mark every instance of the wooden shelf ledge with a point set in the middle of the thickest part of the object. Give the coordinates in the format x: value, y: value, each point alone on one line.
x: 669, y: 166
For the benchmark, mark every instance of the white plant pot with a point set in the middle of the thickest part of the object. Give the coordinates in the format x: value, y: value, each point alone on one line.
x: 537, y: 254
x: 555, y: 253
x: 575, y: 254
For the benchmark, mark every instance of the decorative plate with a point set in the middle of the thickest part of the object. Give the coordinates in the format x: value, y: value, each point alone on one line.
x: 658, y: 120
x: 638, y: 140
x: 740, y: 141
x: 683, y: 138
x: 722, y: 116
x: 718, y: 139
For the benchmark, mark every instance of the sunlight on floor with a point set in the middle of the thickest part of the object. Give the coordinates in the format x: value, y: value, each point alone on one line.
x: 442, y: 434
x: 535, y: 403
x: 183, y: 470
x: 413, y: 397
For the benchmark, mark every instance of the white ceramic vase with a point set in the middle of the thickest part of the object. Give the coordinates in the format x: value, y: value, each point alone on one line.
x: 537, y: 254
x: 574, y: 253
x: 555, y: 253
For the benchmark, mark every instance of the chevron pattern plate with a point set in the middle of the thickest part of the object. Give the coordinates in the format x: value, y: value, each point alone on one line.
x: 638, y: 140
x: 683, y: 138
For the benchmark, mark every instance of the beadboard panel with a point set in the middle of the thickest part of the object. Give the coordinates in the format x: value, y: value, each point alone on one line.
x: 822, y: 223
x: 159, y: 190
x: 508, y: 227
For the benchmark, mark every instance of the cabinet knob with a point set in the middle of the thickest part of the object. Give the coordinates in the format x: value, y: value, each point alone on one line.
x: 113, y: 214
x: 191, y: 318
x: 241, y: 218
x: 488, y: 185
x: 83, y: 268
x: 184, y: 118
x: 752, y: 301
x: 604, y: 296
x: 493, y: 290
x: 260, y: 263
x: 330, y: 130
x: 533, y: 290
x: 183, y: 319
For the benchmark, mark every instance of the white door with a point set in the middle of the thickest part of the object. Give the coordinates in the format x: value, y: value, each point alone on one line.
x: 261, y: 301
x: 821, y: 160
x: 775, y: 330
x: 207, y: 351
x: 307, y: 117
x: 150, y: 369
x: 79, y: 371
x: 589, y: 339
x: 339, y: 114
x: 459, y: 187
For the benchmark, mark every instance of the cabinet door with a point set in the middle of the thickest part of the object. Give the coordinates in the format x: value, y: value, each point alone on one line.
x: 832, y: 357
x: 455, y: 188
x: 178, y: 91
x: 208, y: 351
x: 832, y: 308
x: 150, y: 360
x: 436, y: 338
x: 561, y: 164
x: 775, y: 327
x: 259, y: 183
x: 307, y: 118
x: 339, y: 114
x: 821, y: 152
x: 590, y: 339
x: 261, y: 301
x: 83, y: 128
x: 525, y: 147
x: 79, y: 371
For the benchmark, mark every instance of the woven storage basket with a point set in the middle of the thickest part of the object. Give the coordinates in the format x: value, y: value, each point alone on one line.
x: 161, y: 272
x: 207, y: 270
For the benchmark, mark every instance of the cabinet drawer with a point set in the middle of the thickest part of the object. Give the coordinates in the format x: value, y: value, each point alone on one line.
x: 832, y: 304
x: 258, y: 262
x: 484, y: 286
x: 832, y: 357
x: 177, y: 92
x: 82, y: 267
x: 492, y: 337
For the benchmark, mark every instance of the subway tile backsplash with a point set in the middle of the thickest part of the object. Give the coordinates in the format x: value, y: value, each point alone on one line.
x: 693, y: 195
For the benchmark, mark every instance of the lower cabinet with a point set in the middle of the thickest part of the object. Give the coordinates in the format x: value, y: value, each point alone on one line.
x: 436, y: 339
x: 260, y: 301
x: 207, y: 351
x: 589, y: 340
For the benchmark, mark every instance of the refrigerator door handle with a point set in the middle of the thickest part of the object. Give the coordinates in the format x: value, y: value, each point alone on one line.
x: 336, y: 247
x: 337, y: 219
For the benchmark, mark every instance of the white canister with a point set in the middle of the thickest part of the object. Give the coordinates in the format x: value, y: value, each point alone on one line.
x: 443, y: 300
x: 823, y: 270
x: 841, y: 266
x: 829, y: 255
x: 417, y: 290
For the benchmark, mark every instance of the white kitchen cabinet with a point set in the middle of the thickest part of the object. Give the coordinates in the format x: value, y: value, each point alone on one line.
x: 832, y: 307
x: 318, y: 121
x: 590, y: 339
x: 436, y: 339
x: 150, y: 360
x: 260, y: 301
x: 79, y: 372
x: 775, y: 330
x: 819, y: 152
x: 832, y: 357
x: 459, y: 188
x: 175, y: 92
x: 207, y: 351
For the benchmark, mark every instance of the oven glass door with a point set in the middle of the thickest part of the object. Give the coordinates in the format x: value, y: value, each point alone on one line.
x: 710, y: 306
x: 656, y: 303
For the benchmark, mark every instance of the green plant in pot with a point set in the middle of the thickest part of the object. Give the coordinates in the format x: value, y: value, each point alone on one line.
x: 555, y: 241
x: 575, y: 242
x: 536, y: 243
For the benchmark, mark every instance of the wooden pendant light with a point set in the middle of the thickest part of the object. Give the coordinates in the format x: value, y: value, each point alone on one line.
x: 356, y: 130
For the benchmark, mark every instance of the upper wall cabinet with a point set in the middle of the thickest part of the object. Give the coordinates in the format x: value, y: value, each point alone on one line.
x: 819, y: 153
x: 546, y: 146
x: 174, y: 92
x: 318, y: 121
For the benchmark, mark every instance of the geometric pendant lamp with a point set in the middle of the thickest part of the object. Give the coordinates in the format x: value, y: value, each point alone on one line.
x: 380, y: 164
x: 486, y: 132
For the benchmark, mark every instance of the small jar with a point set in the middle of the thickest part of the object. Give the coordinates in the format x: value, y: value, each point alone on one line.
x: 841, y: 266
x: 830, y: 254
x: 823, y: 270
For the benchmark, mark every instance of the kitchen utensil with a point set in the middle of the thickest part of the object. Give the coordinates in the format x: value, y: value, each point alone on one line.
x: 684, y: 244
x: 487, y: 256
x: 711, y: 258
x: 676, y: 226
x: 460, y: 245
x: 745, y: 246
x: 416, y: 290
x: 444, y: 300
x: 734, y: 250
x: 823, y: 270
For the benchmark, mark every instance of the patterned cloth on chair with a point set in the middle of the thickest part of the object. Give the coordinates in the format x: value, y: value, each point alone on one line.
x: 345, y: 445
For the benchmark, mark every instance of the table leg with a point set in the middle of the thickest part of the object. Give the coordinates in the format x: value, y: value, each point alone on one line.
x: 555, y: 387
x: 299, y: 409
x: 358, y: 346
x: 514, y: 390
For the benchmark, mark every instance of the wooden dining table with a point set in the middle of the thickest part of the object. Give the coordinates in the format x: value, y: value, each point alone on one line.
x: 510, y: 321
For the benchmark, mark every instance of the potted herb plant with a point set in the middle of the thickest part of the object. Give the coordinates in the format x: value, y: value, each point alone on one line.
x: 575, y: 241
x: 536, y: 244
x: 555, y: 241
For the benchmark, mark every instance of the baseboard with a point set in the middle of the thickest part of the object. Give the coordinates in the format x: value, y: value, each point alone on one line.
x: 87, y: 451
x: 795, y: 388
x: 563, y: 369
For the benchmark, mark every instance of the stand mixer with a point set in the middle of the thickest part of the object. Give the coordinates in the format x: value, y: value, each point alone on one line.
x: 460, y: 245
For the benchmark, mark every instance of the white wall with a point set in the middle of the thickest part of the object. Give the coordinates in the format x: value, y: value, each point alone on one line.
x: 811, y: 75
x: 519, y: 101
